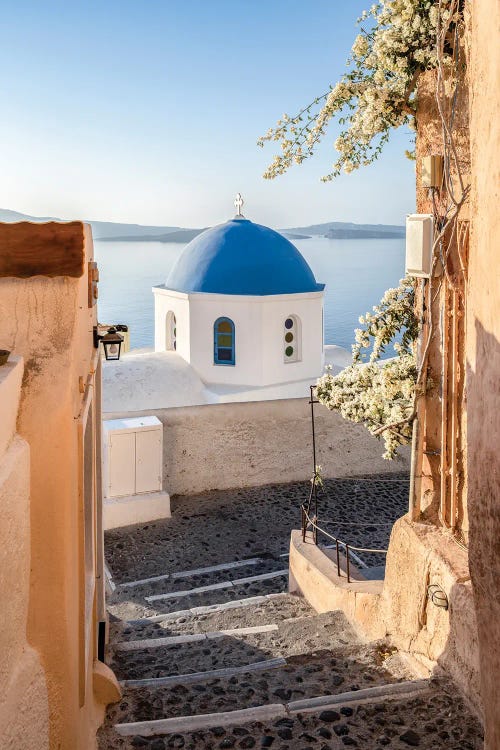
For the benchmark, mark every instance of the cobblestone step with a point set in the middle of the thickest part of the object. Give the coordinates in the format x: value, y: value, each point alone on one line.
x: 288, y: 638
x: 198, y: 577
x: 133, y: 607
x: 430, y: 719
x: 274, y: 608
x: 275, y: 711
x: 307, y: 675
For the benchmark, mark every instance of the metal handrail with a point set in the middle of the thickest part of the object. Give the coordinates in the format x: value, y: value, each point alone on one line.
x: 307, y: 522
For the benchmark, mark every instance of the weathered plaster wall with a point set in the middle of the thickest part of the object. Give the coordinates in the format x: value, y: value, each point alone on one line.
x: 248, y: 444
x: 24, y: 713
x: 48, y: 322
x: 483, y: 353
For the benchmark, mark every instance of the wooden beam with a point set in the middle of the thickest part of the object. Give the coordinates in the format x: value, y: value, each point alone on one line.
x: 50, y: 249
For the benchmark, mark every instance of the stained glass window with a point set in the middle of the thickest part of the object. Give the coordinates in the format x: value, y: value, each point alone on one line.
x: 292, y: 334
x: 224, y: 351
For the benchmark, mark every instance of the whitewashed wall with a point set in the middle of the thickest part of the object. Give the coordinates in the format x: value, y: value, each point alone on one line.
x: 248, y: 444
x: 165, y: 302
x: 259, y: 335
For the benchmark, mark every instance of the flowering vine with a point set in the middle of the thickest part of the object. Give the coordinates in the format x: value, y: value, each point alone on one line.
x: 397, y: 41
x: 381, y: 395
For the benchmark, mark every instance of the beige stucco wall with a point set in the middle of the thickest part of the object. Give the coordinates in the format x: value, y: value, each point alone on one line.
x: 248, y: 444
x: 24, y: 714
x: 49, y: 323
x: 483, y: 352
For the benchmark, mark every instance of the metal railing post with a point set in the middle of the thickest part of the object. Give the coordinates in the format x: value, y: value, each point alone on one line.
x: 338, y: 557
x: 347, y: 559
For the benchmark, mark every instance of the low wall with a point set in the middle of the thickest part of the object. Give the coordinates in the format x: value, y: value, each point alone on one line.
x: 219, y: 446
x: 418, y: 555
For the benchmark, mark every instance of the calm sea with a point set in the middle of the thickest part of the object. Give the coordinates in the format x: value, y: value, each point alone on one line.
x: 356, y: 274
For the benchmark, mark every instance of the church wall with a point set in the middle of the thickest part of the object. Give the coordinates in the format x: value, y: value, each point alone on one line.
x: 177, y: 303
x: 308, y: 309
x: 246, y: 314
x: 253, y: 443
x: 259, y: 335
x: 24, y: 710
x: 49, y: 322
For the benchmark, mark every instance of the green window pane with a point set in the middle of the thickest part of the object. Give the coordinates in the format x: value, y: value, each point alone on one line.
x: 288, y: 337
x: 289, y: 351
x: 225, y: 339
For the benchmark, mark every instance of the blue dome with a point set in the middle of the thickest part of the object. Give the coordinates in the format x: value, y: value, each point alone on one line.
x: 240, y: 257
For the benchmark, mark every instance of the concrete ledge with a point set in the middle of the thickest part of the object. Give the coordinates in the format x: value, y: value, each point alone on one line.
x: 314, y: 575
x: 125, y: 511
x: 202, y: 721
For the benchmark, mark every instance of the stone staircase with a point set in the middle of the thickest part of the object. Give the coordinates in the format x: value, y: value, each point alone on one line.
x: 223, y: 657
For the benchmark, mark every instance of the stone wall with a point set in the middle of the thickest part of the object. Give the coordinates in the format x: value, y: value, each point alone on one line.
x: 248, y: 444
x: 483, y: 354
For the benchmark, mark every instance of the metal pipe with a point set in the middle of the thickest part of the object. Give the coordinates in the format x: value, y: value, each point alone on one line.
x: 413, y: 468
x: 311, y: 387
x: 445, y: 322
x: 454, y: 415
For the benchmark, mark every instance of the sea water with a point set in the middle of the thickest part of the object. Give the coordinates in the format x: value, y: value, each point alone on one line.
x: 356, y: 274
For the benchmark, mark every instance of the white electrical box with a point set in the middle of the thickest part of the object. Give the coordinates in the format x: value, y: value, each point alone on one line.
x: 419, y: 242
x: 432, y: 171
x: 132, y: 456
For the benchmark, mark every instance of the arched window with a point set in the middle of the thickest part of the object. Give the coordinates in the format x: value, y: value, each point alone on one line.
x: 171, y: 338
x: 292, y: 339
x: 224, y: 351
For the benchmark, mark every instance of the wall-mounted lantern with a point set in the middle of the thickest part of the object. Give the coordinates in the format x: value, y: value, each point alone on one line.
x: 111, y: 341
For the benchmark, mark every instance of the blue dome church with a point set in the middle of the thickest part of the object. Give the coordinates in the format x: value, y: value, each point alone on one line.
x: 243, y: 308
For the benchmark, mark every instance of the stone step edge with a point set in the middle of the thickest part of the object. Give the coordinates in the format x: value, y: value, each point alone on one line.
x: 207, y: 609
x: 212, y: 674
x: 175, y: 640
x: 272, y: 711
x: 194, y: 572
x: 216, y: 586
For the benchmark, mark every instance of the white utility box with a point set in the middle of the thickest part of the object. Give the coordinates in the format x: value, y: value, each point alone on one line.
x: 419, y: 242
x: 132, y: 471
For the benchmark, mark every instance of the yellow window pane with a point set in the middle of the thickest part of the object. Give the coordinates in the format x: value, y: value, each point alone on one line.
x: 224, y: 327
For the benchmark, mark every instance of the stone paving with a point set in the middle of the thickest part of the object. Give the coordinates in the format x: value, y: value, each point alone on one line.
x: 225, y: 525
x: 295, y: 654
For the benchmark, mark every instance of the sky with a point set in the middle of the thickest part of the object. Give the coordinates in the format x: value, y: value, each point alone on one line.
x: 148, y: 111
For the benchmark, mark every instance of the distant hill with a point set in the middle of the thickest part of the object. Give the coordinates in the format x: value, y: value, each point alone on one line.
x: 115, y: 232
x: 179, y: 235
x: 102, y: 230
x: 342, y: 230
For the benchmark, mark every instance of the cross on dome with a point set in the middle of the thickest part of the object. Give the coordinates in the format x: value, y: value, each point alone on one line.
x: 238, y: 202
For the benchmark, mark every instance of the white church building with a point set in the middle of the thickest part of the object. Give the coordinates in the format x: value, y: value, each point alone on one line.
x: 243, y: 308
x: 239, y: 318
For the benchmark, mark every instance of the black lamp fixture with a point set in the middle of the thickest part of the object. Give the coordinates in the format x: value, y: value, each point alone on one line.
x: 111, y: 341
